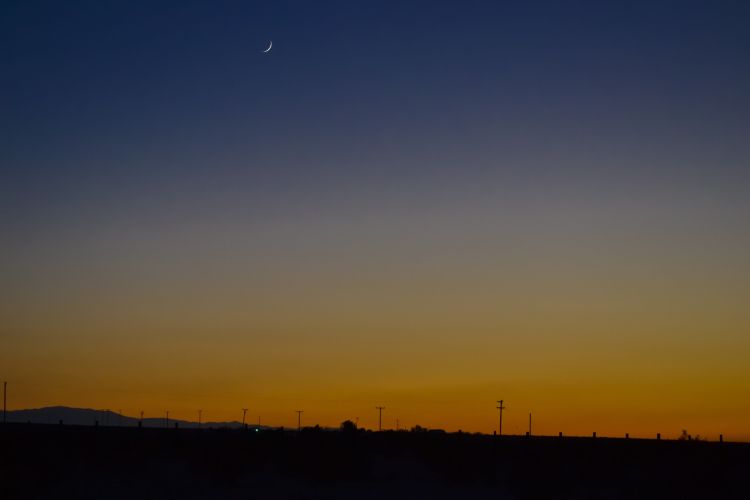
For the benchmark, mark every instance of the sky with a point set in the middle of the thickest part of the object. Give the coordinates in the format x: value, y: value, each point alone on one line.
x: 428, y: 206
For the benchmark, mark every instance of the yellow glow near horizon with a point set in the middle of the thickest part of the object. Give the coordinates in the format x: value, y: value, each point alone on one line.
x: 435, y: 315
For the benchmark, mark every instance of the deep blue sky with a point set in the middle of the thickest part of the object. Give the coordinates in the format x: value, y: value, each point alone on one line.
x: 102, y: 93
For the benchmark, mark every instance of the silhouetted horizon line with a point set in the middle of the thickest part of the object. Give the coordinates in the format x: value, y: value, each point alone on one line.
x: 107, y: 417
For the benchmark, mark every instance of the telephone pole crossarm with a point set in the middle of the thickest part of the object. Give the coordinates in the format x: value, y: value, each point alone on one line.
x: 500, y: 407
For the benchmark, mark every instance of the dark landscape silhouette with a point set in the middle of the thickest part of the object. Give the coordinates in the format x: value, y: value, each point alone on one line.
x: 224, y: 460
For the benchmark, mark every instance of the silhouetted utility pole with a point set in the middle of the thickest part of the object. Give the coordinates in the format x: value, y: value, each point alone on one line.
x: 299, y: 419
x: 140, y: 422
x: 200, y: 414
x: 380, y: 417
x: 244, y: 412
x: 5, y: 400
x: 500, y: 425
x: 529, y: 423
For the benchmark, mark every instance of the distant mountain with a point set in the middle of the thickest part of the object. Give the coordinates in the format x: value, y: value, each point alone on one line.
x: 88, y: 416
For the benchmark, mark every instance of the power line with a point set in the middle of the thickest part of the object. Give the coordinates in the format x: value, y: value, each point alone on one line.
x: 380, y: 417
x: 529, y: 424
x: 500, y: 407
x: 299, y: 419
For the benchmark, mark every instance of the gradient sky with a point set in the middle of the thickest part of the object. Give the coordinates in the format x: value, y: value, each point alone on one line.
x: 423, y: 205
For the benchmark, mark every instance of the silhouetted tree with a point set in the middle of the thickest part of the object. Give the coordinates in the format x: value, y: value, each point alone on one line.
x: 348, y: 426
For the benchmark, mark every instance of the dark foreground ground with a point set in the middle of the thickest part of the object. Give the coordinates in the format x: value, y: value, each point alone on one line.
x: 47, y: 461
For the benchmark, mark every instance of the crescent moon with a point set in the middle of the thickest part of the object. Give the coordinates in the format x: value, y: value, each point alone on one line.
x: 270, y: 44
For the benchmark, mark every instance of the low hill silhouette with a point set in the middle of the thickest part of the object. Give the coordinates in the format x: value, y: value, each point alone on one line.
x: 89, y: 416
